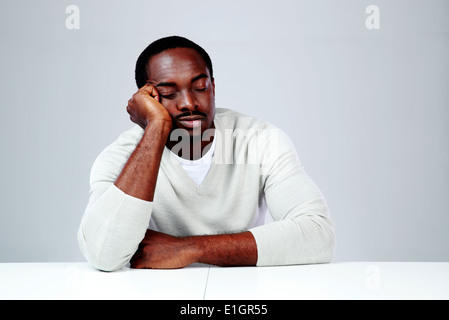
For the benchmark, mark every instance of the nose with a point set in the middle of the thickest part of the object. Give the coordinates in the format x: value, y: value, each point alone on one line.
x: 187, y: 102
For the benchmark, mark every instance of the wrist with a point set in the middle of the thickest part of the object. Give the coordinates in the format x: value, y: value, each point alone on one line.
x: 164, y: 126
x: 238, y: 249
x: 193, y: 249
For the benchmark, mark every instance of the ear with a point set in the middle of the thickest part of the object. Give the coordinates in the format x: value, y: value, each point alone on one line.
x: 213, y: 86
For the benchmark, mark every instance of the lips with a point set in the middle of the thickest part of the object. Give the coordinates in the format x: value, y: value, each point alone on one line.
x: 191, y: 122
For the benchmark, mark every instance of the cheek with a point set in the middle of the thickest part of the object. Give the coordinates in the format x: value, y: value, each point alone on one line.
x: 206, y: 101
x: 170, y: 105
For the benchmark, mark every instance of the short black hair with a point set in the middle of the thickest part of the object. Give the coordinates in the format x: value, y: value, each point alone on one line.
x: 161, y: 45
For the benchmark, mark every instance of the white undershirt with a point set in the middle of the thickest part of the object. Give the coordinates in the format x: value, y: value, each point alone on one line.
x: 197, y: 169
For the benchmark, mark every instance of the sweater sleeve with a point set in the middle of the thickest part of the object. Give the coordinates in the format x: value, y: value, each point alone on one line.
x: 302, y: 232
x: 114, y: 223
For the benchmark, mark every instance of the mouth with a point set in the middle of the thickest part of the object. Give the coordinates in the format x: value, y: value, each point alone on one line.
x: 191, y: 122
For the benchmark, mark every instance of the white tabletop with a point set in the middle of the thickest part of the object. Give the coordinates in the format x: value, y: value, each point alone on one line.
x: 349, y: 280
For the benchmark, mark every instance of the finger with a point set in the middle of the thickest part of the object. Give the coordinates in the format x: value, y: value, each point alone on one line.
x: 152, y: 91
x: 134, y: 262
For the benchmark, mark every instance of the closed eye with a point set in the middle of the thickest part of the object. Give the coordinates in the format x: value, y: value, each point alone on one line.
x: 168, y: 96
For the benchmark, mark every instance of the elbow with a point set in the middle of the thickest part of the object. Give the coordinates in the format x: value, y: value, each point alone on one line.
x: 325, y: 249
x: 328, y: 248
x: 318, y: 244
x: 110, y: 264
x: 95, y: 256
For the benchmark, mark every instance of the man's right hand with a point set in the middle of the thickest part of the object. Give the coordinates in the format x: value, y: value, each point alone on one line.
x: 145, y: 107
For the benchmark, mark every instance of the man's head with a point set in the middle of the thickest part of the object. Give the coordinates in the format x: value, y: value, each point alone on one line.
x: 182, y: 73
x: 161, y: 45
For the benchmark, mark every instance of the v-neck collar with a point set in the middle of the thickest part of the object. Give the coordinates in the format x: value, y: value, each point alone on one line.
x: 170, y: 163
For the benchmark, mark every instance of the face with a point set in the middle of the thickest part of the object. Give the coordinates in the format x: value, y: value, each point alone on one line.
x: 186, y: 88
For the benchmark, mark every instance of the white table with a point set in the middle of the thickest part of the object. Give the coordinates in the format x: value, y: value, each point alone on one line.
x: 348, y: 280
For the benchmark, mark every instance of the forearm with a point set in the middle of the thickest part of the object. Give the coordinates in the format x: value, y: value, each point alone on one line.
x: 227, y: 249
x: 139, y: 175
x: 162, y: 251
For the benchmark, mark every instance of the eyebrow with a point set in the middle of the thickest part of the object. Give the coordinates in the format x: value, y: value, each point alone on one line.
x: 172, y: 84
x: 198, y: 77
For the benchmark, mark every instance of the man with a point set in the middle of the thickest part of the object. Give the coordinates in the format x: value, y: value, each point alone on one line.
x: 191, y: 183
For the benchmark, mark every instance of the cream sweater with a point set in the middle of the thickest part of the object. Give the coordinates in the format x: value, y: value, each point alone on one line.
x: 254, y: 166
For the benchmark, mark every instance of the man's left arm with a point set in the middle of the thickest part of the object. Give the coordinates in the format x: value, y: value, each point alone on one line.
x: 162, y: 251
x: 302, y: 232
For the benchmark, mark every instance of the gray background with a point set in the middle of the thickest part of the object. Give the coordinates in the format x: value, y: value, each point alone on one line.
x: 368, y: 110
